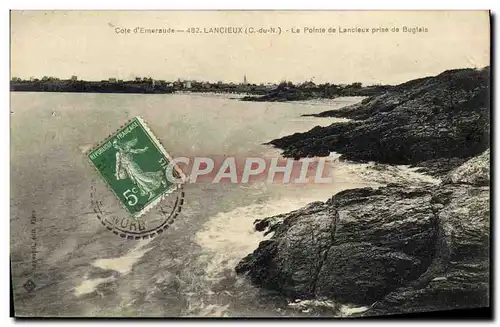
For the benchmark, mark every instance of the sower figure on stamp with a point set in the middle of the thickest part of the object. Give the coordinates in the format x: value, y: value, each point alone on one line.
x: 147, y: 182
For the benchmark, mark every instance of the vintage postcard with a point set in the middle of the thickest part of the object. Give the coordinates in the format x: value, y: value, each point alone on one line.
x: 250, y: 163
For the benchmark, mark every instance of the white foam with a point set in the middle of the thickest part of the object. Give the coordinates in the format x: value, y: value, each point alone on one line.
x: 90, y: 285
x: 231, y: 236
x: 122, y: 264
x: 348, y: 310
x: 306, y: 305
x: 228, y: 237
x: 380, y: 174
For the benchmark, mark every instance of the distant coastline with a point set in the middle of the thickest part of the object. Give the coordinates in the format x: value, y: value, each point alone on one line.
x: 139, y: 85
x: 285, y: 91
x: 307, y: 91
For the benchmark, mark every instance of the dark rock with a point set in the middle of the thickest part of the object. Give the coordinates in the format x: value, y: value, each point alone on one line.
x: 421, y: 121
x: 285, y: 93
x: 476, y: 171
x: 341, y: 249
x: 397, y: 249
x: 438, y: 167
x: 459, y: 274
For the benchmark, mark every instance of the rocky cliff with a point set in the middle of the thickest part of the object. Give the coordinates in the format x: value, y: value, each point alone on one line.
x: 435, y: 122
x: 395, y: 249
x: 284, y: 93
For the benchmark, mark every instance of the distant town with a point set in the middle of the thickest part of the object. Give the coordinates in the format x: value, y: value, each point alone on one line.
x: 138, y: 85
x: 284, y: 91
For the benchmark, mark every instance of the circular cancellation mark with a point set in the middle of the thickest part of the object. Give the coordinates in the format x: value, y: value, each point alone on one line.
x: 153, y: 223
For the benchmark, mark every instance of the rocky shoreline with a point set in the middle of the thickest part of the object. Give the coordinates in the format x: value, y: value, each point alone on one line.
x: 398, y: 248
x: 395, y: 249
x: 436, y: 123
x: 285, y: 93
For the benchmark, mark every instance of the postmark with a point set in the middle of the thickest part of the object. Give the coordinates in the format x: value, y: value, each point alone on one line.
x: 151, y: 224
x: 135, y: 167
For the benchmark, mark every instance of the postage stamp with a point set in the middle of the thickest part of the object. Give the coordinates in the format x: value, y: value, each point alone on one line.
x: 135, y: 165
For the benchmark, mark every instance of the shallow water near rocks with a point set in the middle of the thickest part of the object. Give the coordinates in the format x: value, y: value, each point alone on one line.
x: 84, y: 270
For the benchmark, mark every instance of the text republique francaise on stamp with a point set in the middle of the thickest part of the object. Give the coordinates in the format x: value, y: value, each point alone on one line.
x: 134, y: 165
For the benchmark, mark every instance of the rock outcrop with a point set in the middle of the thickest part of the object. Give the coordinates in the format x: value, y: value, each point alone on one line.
x: 396, y: 249
x: 435, y: 122
x: 284, y: 92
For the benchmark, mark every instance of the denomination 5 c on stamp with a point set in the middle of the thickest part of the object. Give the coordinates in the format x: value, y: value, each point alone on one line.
x: 134, y: 164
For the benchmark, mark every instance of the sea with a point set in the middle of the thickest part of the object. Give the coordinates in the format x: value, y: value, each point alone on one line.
x: 81, y: 269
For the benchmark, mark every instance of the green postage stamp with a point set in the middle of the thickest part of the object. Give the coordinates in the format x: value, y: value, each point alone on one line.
x: 134, y: 165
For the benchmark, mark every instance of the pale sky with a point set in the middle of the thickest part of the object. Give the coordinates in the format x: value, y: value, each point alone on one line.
x: 84, y: 43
